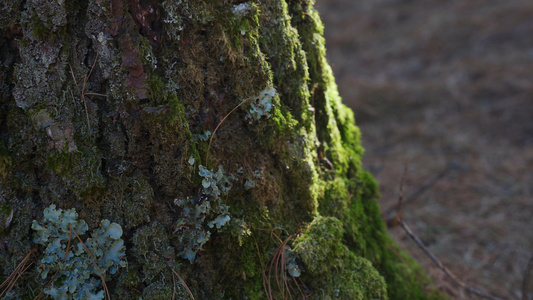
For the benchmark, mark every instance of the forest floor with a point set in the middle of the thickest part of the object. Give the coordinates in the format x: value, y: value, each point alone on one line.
x: 447, y: 87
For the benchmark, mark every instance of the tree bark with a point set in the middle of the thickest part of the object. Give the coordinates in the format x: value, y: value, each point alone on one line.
x: 111, y: 108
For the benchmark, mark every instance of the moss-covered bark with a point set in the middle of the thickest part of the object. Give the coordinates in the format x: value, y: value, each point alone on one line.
x: 282, y: 192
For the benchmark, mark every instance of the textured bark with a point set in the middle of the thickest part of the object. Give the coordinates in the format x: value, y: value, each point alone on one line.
x: 292, y: 193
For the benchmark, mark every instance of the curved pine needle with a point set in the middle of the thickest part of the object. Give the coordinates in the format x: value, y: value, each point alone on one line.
x: 220, y: 123
x: 89, y: 75
x: 10, y: 281
x: 184, y: 284
x: 55, y: 274
x: 94, y: 261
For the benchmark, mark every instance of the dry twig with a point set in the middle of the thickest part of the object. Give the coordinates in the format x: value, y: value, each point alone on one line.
x: 418, y: 241
x: 392, y: 217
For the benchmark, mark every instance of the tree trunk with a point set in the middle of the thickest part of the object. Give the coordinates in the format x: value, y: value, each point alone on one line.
x: 119, y: 110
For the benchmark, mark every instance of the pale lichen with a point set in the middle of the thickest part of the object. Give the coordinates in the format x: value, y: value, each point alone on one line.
x: 75, y: 272
x: 195, y: 211
x: 261, y: 104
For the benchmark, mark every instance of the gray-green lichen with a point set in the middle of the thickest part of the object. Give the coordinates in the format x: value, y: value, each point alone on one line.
x: 154, y: 252
x: 196, y: 211
x: 75, y: 265
x: 262, y: 104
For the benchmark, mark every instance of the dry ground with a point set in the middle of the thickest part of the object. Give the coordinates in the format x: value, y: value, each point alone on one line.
x: 446, y: 86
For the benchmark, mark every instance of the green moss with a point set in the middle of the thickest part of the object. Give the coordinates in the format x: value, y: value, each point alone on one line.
x: 283, y: 123
x: 330, y: 269
x: 130, y: 279
x: 243, y: 27
x: 140, y: 191
x: 159, y: 290
x: 350, y: 193
x: 79, y: 172
x: 156, y: 89
x: 246, y: 269
x: 164, y: 118
x: 335, y: 199
x: 129, y: 284
x: 165, y: 103
x: 289, y: 133
x: 405, y: 278
x: 5, y: 162
x: 60, y: 162
x: 146, y: 54
x: 281, y: 44
x: 39, y: 29
x: 154, y: 253
x: 42, y: 30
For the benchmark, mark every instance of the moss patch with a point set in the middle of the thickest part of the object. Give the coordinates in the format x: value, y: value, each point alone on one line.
x: 330, y: 269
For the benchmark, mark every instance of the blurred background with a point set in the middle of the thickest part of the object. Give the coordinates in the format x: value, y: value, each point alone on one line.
x: 447, y: 87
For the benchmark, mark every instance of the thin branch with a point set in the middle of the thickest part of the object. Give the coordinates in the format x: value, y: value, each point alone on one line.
x: 19, y: 274
x: 455, y: 279
x: 421, y: 245
x: 400, y: 200
x: 174, y: 285
x: 298, y: 286
x: 391, y: 216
